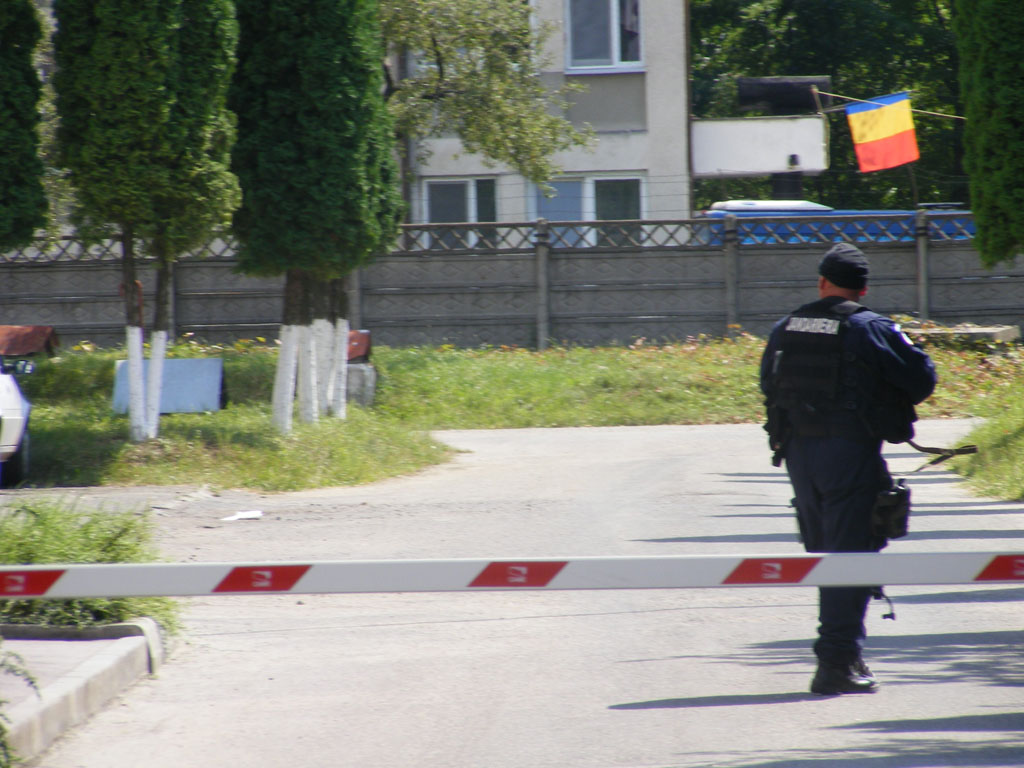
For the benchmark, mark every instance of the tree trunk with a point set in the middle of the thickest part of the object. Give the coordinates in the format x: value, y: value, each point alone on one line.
x: 309, y: 376
x: 313, y: 361
x: 339, y: 378
x: 321, y: 342
x: 155, y: 381
x: 284, y: 378
x: 132, y: 291
x: 312, y: 371
x: 158, y: 339
x: 294, y: 319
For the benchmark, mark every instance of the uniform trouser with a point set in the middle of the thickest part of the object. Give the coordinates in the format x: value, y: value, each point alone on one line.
x: 836, y: 482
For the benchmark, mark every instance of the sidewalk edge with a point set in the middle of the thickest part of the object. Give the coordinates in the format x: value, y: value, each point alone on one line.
x: 37, y: 722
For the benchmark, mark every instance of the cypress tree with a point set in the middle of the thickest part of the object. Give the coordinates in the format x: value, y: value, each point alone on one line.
x: 202, y: 192
x: 314, y: 159
x: 313, y: 153
x: 22, y: 199
x: 141, y: 86
x: 990, y: 40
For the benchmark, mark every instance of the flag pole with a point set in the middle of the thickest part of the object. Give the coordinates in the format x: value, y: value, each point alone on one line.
x: 913, y: 183
x: 880, y: 104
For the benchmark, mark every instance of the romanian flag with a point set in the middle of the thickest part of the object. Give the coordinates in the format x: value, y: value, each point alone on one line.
x: 883, y: 132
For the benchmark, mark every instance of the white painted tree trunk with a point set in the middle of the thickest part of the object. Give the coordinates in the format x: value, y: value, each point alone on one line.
x: 154, y: 381
x: 309, y: 410
x: 284, y: 378
x: 136, y: 385
x: 323, y: 345
x: 339, y: 377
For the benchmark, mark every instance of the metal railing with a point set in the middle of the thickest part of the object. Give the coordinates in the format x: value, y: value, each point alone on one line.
x: 525, y: 283
x: 562, y: 235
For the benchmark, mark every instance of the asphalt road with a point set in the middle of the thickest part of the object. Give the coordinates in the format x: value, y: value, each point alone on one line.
x: 709, y: 677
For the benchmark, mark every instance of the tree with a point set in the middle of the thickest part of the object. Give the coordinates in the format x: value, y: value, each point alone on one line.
x: 143, y: 133
x: 473, y: 68
x: 315, y: 162
x: 868, y: 49
x: 201, y: 192
x: 22, y: 199
x: 989, y: 34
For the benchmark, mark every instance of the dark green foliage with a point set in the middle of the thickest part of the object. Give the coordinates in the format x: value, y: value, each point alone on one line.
x: 200, y: 128
x: 22, y: 200
x: 314, y: 149
x: 144, y: 131
x: 114, y: 59
x: 990, y: 36
x: 868, y: 49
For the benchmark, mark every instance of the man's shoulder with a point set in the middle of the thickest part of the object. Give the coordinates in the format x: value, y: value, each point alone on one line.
x: 831, y: 305
x: 857, y: 314
x: 860, y: 319
x: 868, y: 317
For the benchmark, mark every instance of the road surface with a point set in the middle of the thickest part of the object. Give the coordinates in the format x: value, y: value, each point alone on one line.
x: 701, y: 677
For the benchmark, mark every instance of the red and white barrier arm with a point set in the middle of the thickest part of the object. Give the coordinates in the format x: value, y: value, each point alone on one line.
x: 652, y: 572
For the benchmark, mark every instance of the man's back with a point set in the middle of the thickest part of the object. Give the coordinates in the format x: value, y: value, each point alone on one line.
x: 832, y: 364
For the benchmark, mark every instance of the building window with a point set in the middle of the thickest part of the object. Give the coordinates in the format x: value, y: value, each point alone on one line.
x: 616, y: 199
x: 565, y: 204
x: 592, y: 199
x: 604, y: 33
x: 457, y: 202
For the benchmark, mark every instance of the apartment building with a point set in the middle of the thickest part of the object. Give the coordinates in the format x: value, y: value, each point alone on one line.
x: 631, y: 56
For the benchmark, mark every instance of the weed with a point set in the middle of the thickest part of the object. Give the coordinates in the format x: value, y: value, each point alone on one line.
x: 40, y: 532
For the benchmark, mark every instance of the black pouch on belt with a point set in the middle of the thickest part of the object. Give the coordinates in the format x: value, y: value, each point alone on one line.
x: 891, y: 514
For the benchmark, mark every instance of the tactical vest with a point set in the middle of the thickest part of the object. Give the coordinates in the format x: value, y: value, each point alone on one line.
x: 812, y: 382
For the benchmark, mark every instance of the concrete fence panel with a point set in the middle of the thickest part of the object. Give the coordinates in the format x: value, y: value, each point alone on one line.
x: 535, y: 283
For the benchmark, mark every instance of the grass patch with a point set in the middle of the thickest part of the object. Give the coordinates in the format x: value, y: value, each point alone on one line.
x: 696, y: 382
x: 40, y: 532
x: 78, y: 440
x: 237, y: 447
x: 996, y: 469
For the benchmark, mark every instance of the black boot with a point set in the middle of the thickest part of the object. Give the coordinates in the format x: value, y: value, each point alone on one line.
x: 862, y: 669
x: 832, y: 679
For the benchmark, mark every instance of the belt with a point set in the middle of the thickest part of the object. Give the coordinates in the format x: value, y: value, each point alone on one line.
x: 941, y: 454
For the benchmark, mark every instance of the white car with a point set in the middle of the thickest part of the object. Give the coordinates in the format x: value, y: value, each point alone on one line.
x: 14, y: 413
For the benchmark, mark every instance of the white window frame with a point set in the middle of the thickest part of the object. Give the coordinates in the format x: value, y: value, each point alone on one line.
x: 617, y: 65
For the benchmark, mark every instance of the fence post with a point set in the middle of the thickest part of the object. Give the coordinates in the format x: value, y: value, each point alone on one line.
x: 542, y: 252
x: 731, y: 253
x: 923, y: 276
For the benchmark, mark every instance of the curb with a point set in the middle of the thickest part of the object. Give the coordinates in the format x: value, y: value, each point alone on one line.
x: 38, y: 721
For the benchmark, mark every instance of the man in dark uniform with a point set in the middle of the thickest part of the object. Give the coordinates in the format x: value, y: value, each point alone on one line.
x: 838, y: 380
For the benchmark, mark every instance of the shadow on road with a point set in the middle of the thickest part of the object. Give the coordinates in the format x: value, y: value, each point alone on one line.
x: 983, y: 658
x: 719, y: 701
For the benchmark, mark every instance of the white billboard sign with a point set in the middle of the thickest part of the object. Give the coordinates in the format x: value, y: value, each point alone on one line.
x: 758, y: 146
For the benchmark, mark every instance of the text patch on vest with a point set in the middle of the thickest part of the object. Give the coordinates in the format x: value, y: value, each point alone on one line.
x: 813, y: 325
